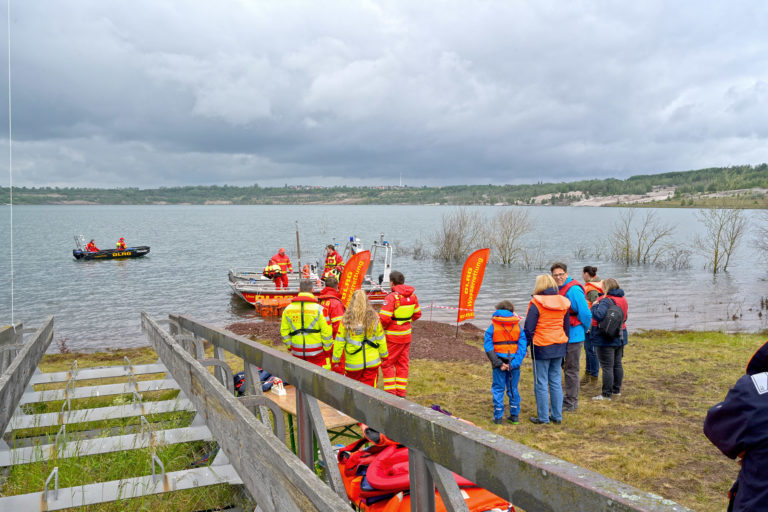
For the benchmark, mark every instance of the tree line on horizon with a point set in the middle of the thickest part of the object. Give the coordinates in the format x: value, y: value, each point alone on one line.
x: 715, y: 179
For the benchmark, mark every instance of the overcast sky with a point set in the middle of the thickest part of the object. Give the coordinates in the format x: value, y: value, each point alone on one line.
x: 161, y: 93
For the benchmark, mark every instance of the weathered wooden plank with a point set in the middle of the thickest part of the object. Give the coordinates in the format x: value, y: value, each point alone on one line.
x: 531, y: 479
x: 277, y: 480
x: 15, y: 378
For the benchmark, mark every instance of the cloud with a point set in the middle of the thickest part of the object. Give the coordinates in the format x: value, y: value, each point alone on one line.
x: 165, y: 93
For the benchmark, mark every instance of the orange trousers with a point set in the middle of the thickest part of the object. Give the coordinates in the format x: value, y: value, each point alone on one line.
x: 394, y: 369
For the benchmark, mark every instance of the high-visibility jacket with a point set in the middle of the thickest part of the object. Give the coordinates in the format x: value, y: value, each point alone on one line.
x: 91, y: 247
x: 304, y: 328
x: 284, y: 261
x: 549, y: 328
x: 361, y: 350
x: 120, y: 245
x: 330, y: 298
x: 401, y: 307
x: 272, y: 271
x: 332, y: 262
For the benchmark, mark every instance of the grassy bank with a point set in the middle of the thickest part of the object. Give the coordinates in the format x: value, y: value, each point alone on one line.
x: 650, y: 438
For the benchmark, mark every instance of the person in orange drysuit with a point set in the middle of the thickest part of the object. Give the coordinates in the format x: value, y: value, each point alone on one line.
x: 330, y: 298
x: 91, y: 247
x: 334, y: 263
x: 284, y: 262
x: 120, y: 245
x: 401, y: 307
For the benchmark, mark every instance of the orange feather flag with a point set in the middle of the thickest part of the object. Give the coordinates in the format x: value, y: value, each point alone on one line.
x: 471, y: 280
x: 353, y: 275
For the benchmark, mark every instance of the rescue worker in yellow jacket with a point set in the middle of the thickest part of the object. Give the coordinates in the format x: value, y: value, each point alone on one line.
x: 304, y: 328
x: 361, y: 340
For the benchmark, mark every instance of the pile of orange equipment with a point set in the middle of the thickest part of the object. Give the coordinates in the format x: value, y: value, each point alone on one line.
x: 271, y: 306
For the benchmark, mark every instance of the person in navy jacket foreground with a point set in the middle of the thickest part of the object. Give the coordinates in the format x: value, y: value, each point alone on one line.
x: 738, y: 426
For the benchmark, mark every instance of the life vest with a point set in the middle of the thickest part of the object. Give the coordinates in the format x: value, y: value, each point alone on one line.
x: 405, y: 307
x: 592, y: 286
x: 506, y: 333
x: 120, y: 245
x: 91, y: 247
x: 305, y: 272
x: 573, y: 319
x: 549, y: 329
x: 272, y: 271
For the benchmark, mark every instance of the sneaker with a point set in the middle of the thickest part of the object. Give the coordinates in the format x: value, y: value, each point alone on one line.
x: 513, y: 420
x: 497, y: 421
x: 570, y: 408
x: 601, y: 397
x: 553, y: 420
x: 536, y: 421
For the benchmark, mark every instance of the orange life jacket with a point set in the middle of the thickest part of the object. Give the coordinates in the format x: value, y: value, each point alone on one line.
x: 592, y: 286
x: 506, y: 333
x: 549, y: 329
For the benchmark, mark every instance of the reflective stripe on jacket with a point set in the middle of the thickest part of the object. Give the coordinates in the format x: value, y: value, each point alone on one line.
x: 401, y: 307
x: 304, y: 328
x: 360, y: 350
x: 330, y: 298
x: 283, y: 261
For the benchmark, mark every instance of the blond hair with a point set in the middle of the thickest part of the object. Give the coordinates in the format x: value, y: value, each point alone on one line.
x: 610, y: 284
x: 360, y: 315
x: 543, y: 282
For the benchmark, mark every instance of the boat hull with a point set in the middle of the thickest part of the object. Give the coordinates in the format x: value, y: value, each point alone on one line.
x: 129, y: 252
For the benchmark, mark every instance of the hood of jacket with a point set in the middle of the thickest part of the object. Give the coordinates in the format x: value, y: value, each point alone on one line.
x: 330, y: 292
x: 759, y: 361
x: 616, y: 292
x: 404, y: 289
x: 548, y: 291
x: 504, y: 313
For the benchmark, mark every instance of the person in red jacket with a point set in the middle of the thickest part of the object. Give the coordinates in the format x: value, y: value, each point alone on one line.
x: 120, y: 245
x: 284, y: 262
x: 91, y: 247
x: 330, y: 298
x: 401, y: 307
x: 334, y: 263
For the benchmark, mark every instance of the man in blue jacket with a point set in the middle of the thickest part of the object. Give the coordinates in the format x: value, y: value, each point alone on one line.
x: 739, y: 427
x: 505, y: 346
x: 580, y: 318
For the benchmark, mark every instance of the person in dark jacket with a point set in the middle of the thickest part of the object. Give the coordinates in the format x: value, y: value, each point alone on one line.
x: 505, y: 346
x: 546, y: 329
x: 738, y: 426
x: 610, y: 352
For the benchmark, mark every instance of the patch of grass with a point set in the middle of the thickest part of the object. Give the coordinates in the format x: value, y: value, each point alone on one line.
x: 651, y: 437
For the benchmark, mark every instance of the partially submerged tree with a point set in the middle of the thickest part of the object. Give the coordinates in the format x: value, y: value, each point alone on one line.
x: 639, y: 241
x: 761, y: 235
x: 461, y: 232
x: 505, y: 234
x: 724, y: 230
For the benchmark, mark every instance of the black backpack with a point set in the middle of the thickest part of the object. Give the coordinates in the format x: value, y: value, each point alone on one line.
x: 610, y: 326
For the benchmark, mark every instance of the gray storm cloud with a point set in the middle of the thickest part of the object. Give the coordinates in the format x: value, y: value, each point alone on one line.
x: 161, y: 93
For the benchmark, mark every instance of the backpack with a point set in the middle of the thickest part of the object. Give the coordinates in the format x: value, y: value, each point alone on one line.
x: 610, y: 326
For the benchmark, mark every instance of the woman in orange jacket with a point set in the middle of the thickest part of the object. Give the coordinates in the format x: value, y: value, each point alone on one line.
x: 547, y: 328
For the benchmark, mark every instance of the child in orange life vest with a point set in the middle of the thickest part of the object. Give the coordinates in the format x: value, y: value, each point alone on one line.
x: 505, y: 346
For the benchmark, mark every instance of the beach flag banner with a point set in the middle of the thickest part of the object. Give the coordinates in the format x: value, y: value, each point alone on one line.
x: 353, y: 275
x: 471, y: 280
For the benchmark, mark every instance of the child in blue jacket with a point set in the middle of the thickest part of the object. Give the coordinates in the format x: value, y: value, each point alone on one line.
x: 505, y: 346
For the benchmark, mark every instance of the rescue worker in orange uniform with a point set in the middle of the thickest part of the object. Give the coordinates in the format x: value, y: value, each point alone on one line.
x: 401, y: 307
x: 91, y: 247
x: 284, y: 262
x: 546, y: 327
x: 330, y: 299
x: 304, y: 328
x: 120, y: 245
x: 334, y: 263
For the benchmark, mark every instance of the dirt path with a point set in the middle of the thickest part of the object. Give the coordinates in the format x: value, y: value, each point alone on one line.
x: 431, y: 340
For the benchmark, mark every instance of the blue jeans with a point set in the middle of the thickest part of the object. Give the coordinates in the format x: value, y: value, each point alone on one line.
x: 593, y: 366
x: 548, y: 389
x: 505, y: 381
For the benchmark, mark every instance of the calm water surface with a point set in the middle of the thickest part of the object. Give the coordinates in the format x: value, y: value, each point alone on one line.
x: 97, y: 303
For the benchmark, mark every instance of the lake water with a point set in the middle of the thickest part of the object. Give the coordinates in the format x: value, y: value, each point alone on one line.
x: 97, y: 303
